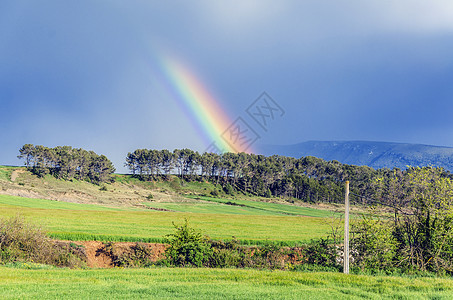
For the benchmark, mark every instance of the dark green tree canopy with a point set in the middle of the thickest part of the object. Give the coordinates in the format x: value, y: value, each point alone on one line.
x: 65, y: 162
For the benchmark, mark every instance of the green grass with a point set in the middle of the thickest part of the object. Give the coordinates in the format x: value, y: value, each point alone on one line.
x: 211, y: 208
x: 173, y: 184
x: 171, y: 283
x: 268, y: 207
x: 13, y: 201
x: 83, y: 222
x: 5, y: 172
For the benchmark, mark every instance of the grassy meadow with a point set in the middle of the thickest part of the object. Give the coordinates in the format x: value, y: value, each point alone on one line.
x: 187, y: 283
x: 125, y: 213
x: 204, y: 204
x: 93, y: 222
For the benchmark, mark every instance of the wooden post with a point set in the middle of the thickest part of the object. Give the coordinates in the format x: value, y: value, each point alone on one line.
x: 346, y: 230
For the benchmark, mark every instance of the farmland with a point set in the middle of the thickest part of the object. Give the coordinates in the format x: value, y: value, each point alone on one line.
x: 212, y: 284
x: 83, y: 221
x: 125, y: 213
x: 107, y: 216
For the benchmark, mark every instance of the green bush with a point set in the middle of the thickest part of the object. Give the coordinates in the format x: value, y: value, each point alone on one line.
x: 175, y: 184
x: 374, y: 243
x: 188, y: 247
x: 226, y: 254
x: 321, y: 253
x: 229, y: 190
x: 24, y: 242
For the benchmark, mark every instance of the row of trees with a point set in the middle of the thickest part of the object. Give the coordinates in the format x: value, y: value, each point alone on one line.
x: 242, y: 172
x: 308, y: 178
x: 65, y: 162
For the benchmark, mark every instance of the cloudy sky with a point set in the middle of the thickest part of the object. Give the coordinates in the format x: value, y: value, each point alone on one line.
x: 89, y: 73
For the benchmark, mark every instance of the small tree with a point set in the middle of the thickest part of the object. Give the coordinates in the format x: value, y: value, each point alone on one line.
x: 421, y: 233
x: 426, y: 235
x: 374, y: 242
x: 188, y: 247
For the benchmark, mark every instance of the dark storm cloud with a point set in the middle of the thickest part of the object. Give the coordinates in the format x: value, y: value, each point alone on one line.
x: 81, y: 73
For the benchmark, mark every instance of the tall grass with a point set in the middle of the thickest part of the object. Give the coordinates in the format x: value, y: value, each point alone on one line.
x: 268, y: 207
x: 70, y: 236
x: 170, y: 283
x: 66, y: 219
x: 14, y: 201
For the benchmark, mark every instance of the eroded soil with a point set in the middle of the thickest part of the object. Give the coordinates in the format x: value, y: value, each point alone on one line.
x: 100, y: 254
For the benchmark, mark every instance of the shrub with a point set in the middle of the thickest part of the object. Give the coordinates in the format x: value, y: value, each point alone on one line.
x: 176, y: 184
x: 229, y: 190
x: 137, y: 256
x: 375, y: 244
x: 226, y: 254
x: 25, y: 242
x: 269, y: 256
x: 321, y: 253
x: 188, y: 247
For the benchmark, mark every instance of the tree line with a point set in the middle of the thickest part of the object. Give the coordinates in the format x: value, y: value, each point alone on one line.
x: 308, y: 178
x: 259, y: 175
x: 65, y: 162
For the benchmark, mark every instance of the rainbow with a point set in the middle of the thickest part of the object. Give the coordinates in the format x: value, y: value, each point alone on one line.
x: 204, y: 110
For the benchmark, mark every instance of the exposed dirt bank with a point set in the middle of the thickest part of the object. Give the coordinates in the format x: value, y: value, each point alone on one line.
x: 102, y: 255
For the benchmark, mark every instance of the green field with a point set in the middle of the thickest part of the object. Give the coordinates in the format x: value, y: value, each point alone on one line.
x: 21, y: 202
x: 52, y: 283
x: 250, y: 221
x: 92, y: 222
x: 269, y: 207
x: 210, y: 208
x: 203, y: 204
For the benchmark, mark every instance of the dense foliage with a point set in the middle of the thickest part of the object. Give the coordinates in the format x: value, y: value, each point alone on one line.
x: 419, y: 236
x: 21, y: 241
x: 309, y: 179
x: 188, y: 247
x: 65, y: 162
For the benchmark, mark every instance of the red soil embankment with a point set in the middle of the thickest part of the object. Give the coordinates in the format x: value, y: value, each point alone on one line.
x: 98, y: 254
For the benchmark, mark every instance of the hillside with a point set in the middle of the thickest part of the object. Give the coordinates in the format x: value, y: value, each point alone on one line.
x: 373, y: 154
x: 171, y: 195
x: 125, y: 211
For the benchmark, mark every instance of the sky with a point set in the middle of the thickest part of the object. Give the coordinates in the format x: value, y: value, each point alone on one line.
x: 115, y: 76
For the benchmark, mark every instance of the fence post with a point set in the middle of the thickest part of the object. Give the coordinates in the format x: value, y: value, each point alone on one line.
x: 346, y: 230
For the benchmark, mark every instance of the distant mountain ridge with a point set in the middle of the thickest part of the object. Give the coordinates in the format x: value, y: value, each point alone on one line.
x: 374, y: 154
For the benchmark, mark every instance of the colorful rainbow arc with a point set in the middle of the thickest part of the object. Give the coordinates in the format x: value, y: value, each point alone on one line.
x: 211, y: 119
